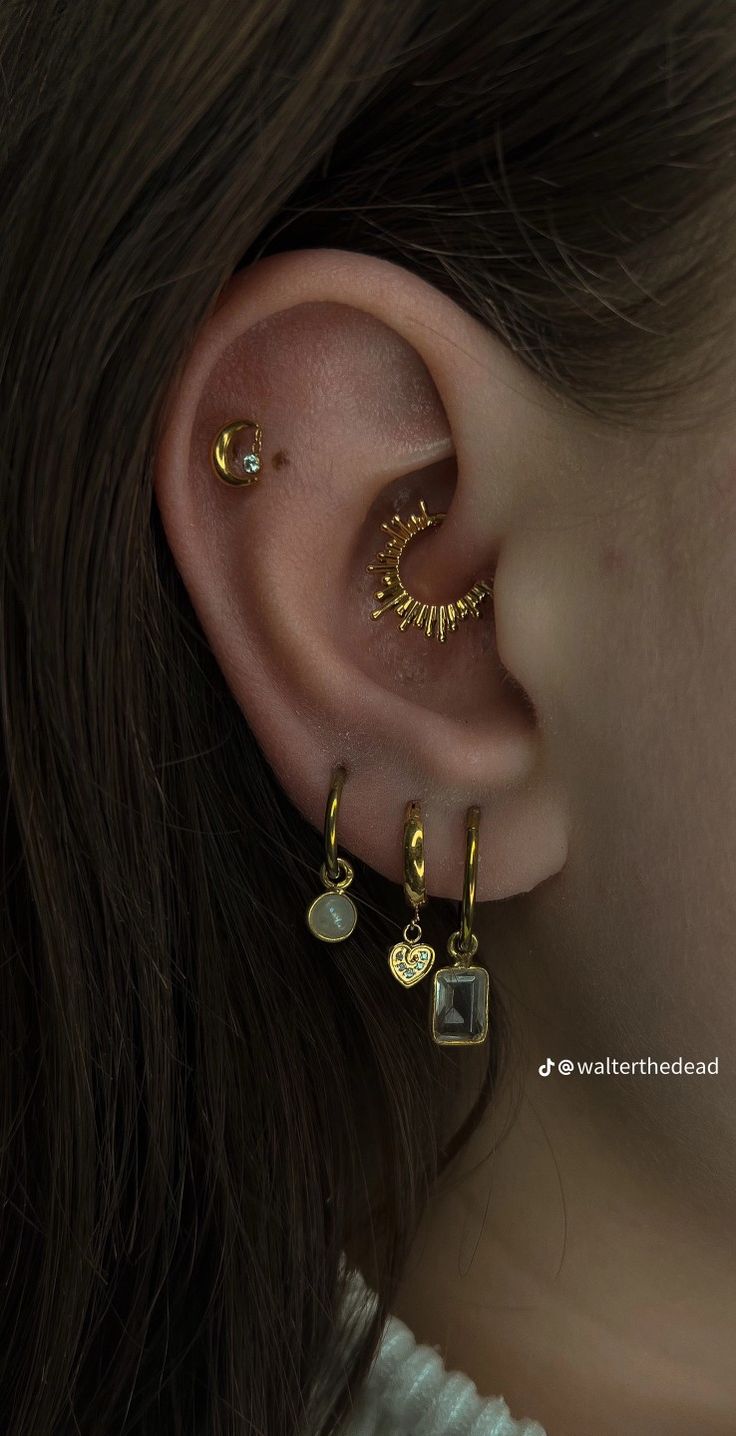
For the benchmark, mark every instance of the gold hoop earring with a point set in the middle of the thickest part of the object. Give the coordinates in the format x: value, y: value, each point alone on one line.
x: 412, y: 959
x: 434, y: 618
x: 245, y: 471
x: 332, y: 915
x: 459, y: 1011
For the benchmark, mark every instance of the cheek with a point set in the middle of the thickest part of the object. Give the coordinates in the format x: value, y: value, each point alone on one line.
x: 631, y: 662
x: 629, y: 654
x: 613, y: 558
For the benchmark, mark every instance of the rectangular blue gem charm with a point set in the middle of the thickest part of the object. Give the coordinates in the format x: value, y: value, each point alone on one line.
x: 460, y: 1006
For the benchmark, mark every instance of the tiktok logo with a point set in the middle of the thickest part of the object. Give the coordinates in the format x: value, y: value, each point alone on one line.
x: 546, y: 1067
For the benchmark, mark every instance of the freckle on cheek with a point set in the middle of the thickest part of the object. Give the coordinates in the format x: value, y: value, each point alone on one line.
x: 612, y: 558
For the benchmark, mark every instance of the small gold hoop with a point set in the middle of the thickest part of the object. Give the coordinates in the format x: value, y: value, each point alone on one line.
x: 332, y: 864
x: 332, y: 915
x: 415, y: 889
x: 464, y: 942
x: 251, y: 463
x: 434, y: 618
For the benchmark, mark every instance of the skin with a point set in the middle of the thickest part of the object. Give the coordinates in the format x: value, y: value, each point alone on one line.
x: 580, y: 1259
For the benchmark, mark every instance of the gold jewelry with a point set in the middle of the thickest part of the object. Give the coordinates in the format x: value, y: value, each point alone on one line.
x: 245, y: 471
x: 332, y: 915
x: 411, y: 959
x: 460, y: 995
x: 434, y: 618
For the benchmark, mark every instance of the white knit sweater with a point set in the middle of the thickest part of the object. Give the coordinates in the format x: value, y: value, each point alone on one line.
x: 409, y: 1392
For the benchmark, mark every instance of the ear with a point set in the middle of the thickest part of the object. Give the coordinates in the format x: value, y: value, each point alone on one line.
x: 373, y: 391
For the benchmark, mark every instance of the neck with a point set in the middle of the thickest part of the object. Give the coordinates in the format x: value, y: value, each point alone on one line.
x: 563, y: 1267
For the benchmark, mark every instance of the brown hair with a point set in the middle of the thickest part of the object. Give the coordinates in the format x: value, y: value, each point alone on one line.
x: 199, y: 1112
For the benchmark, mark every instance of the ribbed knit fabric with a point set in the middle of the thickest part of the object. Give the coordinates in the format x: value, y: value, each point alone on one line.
x: 409, y: 1392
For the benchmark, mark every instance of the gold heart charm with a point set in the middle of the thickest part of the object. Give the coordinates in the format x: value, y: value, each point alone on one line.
x: 409, y: 961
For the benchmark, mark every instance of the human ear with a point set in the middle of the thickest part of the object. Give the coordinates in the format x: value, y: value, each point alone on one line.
x: 373, y: 391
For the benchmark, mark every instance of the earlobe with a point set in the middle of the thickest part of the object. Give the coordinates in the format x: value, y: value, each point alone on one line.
x: 360, y: 378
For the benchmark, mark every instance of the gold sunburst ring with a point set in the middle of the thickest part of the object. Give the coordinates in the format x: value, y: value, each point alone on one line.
x: 436, y: 619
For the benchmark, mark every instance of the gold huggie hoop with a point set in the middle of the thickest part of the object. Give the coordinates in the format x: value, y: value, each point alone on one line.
x: 434, y: 618
x: 460, y: 997
x: 415, y: 885
x: 332, y: 915
x: 467, y: 944
x: 331, y: 863
x: 412, y: 959
x: 247, y: 471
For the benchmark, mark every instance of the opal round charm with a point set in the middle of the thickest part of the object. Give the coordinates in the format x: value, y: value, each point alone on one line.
x: 410, y: 961
x: 332, y: 916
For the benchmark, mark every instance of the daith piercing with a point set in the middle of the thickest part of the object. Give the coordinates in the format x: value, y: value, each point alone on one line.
x: 436, y: 619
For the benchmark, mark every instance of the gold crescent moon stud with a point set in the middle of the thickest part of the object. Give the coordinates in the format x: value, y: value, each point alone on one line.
x: 245, y: 470
x: 436, y: 619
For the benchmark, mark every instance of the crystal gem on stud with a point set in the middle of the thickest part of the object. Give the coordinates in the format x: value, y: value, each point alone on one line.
x: 251, y: 463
